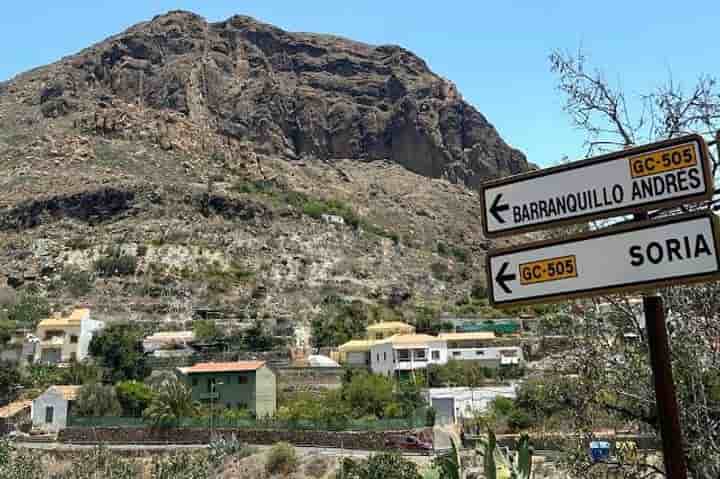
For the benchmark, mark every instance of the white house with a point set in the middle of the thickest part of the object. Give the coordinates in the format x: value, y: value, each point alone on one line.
x: 403, y: 353
x: 51, y: 409
x: 65, y: 339
x: 453, y: 404
x: 483, y: 347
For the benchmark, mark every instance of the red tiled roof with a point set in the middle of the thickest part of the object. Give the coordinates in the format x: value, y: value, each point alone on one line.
x: 235, y: 366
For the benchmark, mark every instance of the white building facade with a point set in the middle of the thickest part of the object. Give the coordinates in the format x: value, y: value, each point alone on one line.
x: 406, y: 353
x: 51, y: 409
x: 65, y: 339
x: 482, y: 347
x: 453, y: 404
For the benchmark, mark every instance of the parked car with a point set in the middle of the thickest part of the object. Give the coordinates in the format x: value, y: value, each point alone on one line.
x: 409, y: 443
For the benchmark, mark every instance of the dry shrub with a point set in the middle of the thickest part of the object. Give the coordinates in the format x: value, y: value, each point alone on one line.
x: 282, y: 459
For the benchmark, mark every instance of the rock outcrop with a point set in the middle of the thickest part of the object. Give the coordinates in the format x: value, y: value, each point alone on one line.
x: 288, y: 95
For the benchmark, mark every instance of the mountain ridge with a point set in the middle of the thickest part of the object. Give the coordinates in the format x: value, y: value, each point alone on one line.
x: 244, y: 167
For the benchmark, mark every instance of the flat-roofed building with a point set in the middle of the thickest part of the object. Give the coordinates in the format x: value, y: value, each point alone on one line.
x: 406, y: 352
x: 483, y: 347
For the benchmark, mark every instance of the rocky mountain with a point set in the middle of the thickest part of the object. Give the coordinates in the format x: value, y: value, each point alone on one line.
x: 237, y: 166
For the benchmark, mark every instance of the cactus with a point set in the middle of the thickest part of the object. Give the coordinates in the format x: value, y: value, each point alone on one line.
x: 521, y: 468
x: 489, y: 457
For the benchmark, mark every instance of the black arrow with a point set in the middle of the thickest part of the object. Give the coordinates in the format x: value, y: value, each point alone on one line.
x: 496, y: 208
x: 503, y: 278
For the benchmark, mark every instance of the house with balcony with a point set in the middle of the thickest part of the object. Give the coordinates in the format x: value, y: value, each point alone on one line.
x: 65, y: 339
x: 484, y: 348
x: 247, y: 385
x: 400, y: 355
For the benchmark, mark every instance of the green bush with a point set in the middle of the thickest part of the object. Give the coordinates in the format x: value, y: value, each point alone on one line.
x: 282, y: 459
x: 115, y: 262
x: 95, y: 400
x: 519, y: 419
x: 134, y: 396
x: 77, y: 281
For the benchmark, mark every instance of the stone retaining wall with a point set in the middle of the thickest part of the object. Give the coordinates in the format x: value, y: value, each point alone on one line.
x: 127, y: 435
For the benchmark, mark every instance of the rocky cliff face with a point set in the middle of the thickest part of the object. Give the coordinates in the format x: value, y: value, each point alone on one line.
x: 291, y: 95
x: 239, y: 167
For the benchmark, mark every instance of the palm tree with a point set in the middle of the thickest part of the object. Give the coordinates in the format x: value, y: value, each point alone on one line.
x: 172, y: 403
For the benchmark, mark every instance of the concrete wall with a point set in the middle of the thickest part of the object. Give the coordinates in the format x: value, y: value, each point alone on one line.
x: 266, y: 392
x: 372, y: 440
x: 60, y: 411
x: 381, y: 359
x: 357, y: 359
x: 308, y: 378
x: 88, y: 328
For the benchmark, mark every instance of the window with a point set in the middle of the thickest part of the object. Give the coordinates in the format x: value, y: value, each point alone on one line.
x: 73, y: 339
x: 242, y: 379
x: 403, y: 355
x: 377, y: 357
x: 384, y: 356
x: 479, y: 353
x: 456, y: 353
x: 420, y: 354
x: 49, y: 413
x: 436, y: 355
x: 194, y: 381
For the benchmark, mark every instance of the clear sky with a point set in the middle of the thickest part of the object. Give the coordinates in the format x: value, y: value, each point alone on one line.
x: 495, y: 51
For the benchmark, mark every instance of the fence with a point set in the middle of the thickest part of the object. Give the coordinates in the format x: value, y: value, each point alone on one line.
x: 418, y: 421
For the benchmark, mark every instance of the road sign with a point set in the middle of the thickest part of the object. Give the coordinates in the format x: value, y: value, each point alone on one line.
x: 652, y: 176
x: 643, y: 255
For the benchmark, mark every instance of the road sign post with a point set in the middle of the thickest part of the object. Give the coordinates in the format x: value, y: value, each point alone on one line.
x: 652, y: 176
x: 635, y: 257
x: 668, y: 413
x: 630, y: 257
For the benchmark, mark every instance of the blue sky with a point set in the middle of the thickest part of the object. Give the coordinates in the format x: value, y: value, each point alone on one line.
x: 496, y: 52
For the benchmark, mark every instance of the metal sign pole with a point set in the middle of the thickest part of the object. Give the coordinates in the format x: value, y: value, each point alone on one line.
x: 669, y: 416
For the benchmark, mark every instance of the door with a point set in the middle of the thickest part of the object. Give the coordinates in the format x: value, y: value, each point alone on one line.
x: 444, y: 410
x: 49, y: 414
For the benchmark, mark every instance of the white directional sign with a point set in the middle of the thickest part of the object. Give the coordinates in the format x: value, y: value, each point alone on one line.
x: 652, y: 176
x: 681, y: 249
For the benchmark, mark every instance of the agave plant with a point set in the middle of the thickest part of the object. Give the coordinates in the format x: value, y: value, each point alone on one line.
x: 497, y: 465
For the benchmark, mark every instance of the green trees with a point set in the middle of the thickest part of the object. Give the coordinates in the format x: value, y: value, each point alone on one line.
x: 9, y: 378
x: 172, y: 401
x: 83, y: 372
x: 380, y: 466
x: 459, y: 373
x: 119, y: 350
x: 206, y: 330
x: 369, y: 394
x: 96, y: 400
x: 134, y: 397
x: 258, y: 337
x: 362, y: 396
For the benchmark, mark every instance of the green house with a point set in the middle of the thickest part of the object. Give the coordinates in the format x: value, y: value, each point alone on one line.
x: 240, y: 384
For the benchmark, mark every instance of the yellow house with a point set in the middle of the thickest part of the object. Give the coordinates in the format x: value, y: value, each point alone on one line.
x: 356, y: 352
x: 387, y: 329
x: 65, y: 339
